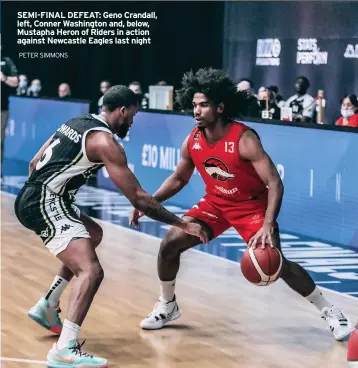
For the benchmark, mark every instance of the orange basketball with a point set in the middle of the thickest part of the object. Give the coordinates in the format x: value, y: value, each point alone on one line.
x: 262, y: 267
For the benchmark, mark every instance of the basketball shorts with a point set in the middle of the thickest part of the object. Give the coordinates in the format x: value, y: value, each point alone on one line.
x: 54, y: 219
x: 247, y: 217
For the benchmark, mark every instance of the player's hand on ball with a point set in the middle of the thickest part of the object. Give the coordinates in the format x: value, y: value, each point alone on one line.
x: 196, y: 230
x: 134, y: 217
x: 263, y: 236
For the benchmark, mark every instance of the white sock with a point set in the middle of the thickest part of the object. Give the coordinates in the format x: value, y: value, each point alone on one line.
x: 69, y: 332
x: 56, y: 289
x: 318, y: 300
x: 167, y: 290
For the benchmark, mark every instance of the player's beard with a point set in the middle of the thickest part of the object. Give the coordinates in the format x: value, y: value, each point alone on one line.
x: 123, y: 130
x: 201, y: 128
x: 207, y: 124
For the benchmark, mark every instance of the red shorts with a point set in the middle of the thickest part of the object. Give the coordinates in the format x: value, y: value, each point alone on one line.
x: 246, y: 217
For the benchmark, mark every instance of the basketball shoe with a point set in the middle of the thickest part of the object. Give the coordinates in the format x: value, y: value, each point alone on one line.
x: 162, y: 313
x: 45, y: 316
x: 72, y: 357
x: 352, y: 354
x: 337, y: 322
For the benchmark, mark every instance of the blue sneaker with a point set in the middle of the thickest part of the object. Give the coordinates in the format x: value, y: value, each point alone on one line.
x: 45, y: 316
x: 73, y: 357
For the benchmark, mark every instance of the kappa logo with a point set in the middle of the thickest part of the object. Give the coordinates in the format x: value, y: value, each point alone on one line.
x: 65, y: 227
x: 196, y: 146
x: 217, y: 169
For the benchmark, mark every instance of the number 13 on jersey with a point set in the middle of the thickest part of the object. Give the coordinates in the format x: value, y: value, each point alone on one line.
x: 229, y: 147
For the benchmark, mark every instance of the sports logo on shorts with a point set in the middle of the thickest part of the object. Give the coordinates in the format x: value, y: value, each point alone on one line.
x: 217, y: 169
x: 45, y: 233
x: 65, y: 227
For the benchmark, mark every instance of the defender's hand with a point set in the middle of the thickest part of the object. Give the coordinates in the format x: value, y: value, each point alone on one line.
x: 196, y: 230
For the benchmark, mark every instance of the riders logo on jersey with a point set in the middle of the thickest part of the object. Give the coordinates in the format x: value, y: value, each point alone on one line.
x: 196, y: 136
x: 217, y: 169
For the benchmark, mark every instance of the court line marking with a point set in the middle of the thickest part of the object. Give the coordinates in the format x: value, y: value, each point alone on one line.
x: 22, y: 360
x: 190, y: 250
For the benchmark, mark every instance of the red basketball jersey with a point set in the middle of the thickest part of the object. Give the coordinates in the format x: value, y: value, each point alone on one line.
x: 227, y: 177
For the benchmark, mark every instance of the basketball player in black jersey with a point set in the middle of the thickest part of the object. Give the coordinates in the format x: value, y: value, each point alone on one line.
x: 78, y: 149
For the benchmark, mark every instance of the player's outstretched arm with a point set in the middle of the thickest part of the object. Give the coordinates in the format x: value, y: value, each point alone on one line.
x: 102, y: 146
x: 173, y: 184
x: 181, y: 176
x: 38, y: 155
x: 251, y: 149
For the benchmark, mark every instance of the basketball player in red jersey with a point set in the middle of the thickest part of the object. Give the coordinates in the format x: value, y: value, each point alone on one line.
x: 243, y: 190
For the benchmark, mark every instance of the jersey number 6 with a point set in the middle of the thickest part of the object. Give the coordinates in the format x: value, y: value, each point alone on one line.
x: 47, y: 154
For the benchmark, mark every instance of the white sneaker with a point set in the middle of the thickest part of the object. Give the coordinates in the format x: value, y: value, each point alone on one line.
x: 162, y: 313
x: 337, y: 322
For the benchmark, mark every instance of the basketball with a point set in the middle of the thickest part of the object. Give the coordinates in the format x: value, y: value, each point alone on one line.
x: 262, y: 267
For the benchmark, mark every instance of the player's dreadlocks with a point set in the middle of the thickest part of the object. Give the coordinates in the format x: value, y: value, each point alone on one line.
x: 216, y: 86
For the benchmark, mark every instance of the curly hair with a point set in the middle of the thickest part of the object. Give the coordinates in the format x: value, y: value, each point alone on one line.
x: 216, y: 85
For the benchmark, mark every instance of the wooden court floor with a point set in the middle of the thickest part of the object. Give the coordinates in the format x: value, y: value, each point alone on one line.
x: 226, y: 321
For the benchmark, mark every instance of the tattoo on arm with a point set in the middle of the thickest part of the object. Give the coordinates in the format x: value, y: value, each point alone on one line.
x: 157, y: 212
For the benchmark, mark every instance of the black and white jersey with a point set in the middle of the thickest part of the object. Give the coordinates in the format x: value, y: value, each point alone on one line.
x: 64, y: 167
x: 301, y: 105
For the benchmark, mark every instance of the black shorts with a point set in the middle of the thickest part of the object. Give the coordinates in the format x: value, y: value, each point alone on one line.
x: 52, y: 217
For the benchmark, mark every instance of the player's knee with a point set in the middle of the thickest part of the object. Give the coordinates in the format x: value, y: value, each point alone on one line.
x: 96, y: 273
x: 93, y: 272
x: 168, y: 249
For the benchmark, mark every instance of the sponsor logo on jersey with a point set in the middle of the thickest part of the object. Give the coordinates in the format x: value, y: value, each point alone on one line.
x: 227, y: 191
x: 196, y: 136
x: 70, y: 133
x: 217, y: 169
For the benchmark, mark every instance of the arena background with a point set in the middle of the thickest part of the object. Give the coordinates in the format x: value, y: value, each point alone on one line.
x: 326, y: 27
